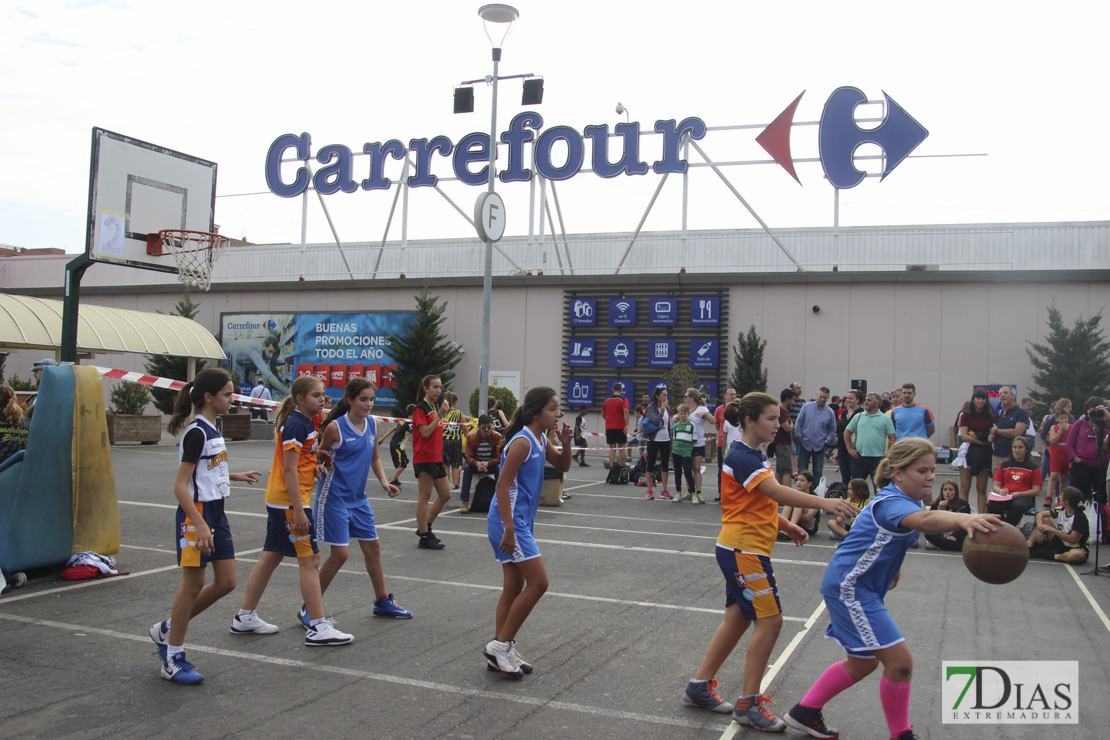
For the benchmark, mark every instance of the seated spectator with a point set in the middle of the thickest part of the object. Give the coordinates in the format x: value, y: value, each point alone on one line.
x: 1062, y: 533
x: 949, y: 500
x: 1016, y: 484
x: 858, y: 495
x: 807, y: 519
x: 13, y: 424
x: 483, y: 455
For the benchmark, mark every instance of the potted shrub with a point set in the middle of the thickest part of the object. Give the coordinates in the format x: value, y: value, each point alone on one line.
x: 126, y: 420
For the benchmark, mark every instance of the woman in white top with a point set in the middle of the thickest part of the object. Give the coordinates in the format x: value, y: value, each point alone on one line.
x: 698, y: 417
x: 659, y: 442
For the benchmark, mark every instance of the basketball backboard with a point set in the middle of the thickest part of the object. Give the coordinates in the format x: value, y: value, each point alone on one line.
x: 136, y: 188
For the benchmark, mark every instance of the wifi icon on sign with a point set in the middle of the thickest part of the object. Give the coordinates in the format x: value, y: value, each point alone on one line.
x: 622, y: 312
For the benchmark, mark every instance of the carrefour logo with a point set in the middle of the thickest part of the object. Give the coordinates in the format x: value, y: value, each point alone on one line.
x: 1010, y: 692
x: 248, y: 325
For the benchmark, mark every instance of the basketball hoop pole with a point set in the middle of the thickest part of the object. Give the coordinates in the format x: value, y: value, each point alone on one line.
x: 71, y: 305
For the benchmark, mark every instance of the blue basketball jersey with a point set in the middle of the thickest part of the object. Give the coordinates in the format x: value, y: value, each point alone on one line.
x: 873, y: 550
x: 524, y: 491
x: 345, y: 484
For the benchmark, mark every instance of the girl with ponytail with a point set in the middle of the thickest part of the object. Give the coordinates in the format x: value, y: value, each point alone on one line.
x: 13, y: 424
x: 289, y: 530
x: 203, y: 532
x: 865, y: 566
x: 512, y: 514
x: 342, y: 510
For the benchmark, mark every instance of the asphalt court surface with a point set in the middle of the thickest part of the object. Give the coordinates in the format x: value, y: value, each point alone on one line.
x: 635, y: 595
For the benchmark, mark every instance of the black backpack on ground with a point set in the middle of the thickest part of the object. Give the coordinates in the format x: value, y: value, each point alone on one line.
x: 483, y: 494
x: 618, y: 473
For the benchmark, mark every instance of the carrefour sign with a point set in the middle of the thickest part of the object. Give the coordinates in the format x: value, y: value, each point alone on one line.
x: 839, y: 137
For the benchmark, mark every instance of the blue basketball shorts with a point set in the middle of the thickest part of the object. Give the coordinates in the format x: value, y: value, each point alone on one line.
x: 861, y: 626
x: 280, y: 536
x: 749, y: 583
x: 212, y: 512
x: 526, y: 547
x: 338, y: 525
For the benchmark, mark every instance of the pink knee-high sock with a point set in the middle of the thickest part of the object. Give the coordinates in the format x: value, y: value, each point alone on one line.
x: 834, y: 680
x: 895, y: 696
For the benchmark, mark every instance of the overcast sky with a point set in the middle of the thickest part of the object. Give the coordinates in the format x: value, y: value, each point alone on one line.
x: 1021, y: 82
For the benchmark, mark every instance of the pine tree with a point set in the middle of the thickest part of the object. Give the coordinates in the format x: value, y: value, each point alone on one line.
x: 1072, y: 363
x: 749, y: 374
x: 421, y: 349
x: 172, y: 366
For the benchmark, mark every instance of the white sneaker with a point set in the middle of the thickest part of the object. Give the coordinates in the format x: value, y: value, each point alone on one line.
x: 525, y: 666
x: 501, y: 655
x: 325, y: 633
x: 251, y: 623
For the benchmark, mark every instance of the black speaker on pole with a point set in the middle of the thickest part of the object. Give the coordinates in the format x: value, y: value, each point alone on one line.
x: 533, y: 92
x: 464, y: 99
x: 859, y: 385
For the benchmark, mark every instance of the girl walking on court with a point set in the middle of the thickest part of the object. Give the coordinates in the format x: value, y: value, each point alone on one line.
x: 289, y: 529
x: 867, y: 565
x: 342, y: 509
x: 427, y: 461
x: 750, y: 521
x: 512, y: 514
x: 203, y: 533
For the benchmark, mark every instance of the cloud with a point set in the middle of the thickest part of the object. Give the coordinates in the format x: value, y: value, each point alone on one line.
x: 44, y: 37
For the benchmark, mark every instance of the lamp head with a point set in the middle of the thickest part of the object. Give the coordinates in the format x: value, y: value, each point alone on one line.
x: 620, y: 109
x: 499, y: 13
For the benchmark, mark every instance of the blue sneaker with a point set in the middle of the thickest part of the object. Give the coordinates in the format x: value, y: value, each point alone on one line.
x: 302, y: 615
x: 180, y: 671
x: 703, y: 695
x: 160, y: 633
x: 387, y: 607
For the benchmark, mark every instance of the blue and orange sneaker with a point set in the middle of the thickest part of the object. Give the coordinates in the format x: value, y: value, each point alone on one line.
x: 750, y: 711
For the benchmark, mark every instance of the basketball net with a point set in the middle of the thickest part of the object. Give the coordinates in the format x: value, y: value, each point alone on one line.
x: 195, y: 252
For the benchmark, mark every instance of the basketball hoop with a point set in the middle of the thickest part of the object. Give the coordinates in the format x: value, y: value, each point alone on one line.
x: 195, y: 252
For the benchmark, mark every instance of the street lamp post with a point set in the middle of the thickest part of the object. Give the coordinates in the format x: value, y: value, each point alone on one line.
x: 487, y: 202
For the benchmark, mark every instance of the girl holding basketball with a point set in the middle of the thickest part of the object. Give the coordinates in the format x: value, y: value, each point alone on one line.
x: 203, y: 533
x: 512, y: 514
x: 863, y: 569
x: 289, y: 530
x: 342, y: 509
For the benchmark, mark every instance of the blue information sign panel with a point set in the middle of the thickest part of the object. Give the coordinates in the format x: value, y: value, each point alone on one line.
x: 622, y: 312
x: 622, y: 352
x: 580, y: 392
x: 663, y: 312
x: 705, y: 311
x: 581, y: 353
x: 583, y: 312
x: 662, y: 352
x: 704, y: 353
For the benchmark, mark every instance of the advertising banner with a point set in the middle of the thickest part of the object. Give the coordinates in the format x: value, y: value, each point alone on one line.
x: 333, y: 346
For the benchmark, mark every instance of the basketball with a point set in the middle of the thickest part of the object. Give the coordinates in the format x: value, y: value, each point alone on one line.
x: 997, y: 557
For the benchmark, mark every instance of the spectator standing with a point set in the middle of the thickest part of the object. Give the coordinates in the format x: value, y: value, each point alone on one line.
x: 1059, y: 465
x: 699, y: 415
x: 795, y: 409
x: 975, y: 429
x: 853, y: 403
x: 1086, y: 447
x: 579, y: 436
x: 911, y: 419
x: 260, y: 391
x: 722, y: 444
x: 866, y: 437
x: 36, y: 373
x: 1010, y: 422
x: 1031, y: 432
x: 784, y: 437
x: 1046, y: 426
x: 658, y: 442
x: 815, y: 430
x: 615, y: 412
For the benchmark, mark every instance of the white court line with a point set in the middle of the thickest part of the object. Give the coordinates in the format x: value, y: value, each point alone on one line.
x: 773, y: 670
x: 371, y: 676
x: 1090, y: 599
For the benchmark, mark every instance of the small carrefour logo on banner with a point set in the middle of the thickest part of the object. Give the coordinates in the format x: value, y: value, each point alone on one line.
x: 1018, y: 692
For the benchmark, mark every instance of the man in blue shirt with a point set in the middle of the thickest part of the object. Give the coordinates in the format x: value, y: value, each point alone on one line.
x: 912, y: 419
x: 815, y: 430
x: 1010, y: 421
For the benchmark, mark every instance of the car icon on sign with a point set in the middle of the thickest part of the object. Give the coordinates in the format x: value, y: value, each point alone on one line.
x: 621, y: 350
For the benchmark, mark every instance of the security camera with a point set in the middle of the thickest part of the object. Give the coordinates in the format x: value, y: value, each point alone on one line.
x: 816, y: 309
